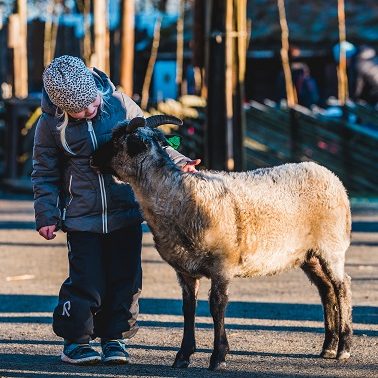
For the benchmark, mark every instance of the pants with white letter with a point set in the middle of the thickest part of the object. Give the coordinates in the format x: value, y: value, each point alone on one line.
x: 100, y: 296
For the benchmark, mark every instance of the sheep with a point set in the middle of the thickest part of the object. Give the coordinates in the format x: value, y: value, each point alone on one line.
x: 221, y: 225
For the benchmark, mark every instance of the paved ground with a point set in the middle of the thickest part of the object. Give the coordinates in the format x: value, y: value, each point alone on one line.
x: 274, y: 324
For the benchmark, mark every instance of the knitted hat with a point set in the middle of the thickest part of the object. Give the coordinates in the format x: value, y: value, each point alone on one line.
x: 69, y: 84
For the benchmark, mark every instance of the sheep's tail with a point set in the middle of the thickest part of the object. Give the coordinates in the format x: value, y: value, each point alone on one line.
x: 348, y: 221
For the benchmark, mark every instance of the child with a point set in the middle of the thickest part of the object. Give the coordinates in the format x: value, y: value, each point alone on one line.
x: 100, y: 215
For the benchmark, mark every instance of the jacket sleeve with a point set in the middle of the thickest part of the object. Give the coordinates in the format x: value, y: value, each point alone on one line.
x: 46, y: 176
x: 179, y: 159
x: 132, y: 109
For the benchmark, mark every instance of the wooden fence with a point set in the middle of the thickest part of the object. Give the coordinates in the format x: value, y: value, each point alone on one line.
x: 347, y: 145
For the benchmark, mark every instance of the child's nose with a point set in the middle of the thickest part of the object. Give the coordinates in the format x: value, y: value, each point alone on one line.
x: 90, y: 109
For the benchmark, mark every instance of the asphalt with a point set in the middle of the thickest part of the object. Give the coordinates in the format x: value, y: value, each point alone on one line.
x: 274, y: 324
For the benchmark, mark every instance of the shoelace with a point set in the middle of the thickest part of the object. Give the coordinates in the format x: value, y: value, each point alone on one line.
x: 115, y: 345
x: 81, y: 348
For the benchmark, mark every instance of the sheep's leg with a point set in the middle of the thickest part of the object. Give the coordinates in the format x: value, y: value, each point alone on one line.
x: 342, y: 285
x: 218, y: 303
x: 189, y: 287
x: 344, y: 296
x: 315, y: 273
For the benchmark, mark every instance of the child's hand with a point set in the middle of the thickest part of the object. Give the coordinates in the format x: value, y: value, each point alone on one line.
x: 190, y: 166
x: 47, y: 232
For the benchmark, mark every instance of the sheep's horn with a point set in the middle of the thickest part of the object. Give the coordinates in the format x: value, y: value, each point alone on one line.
x: 135, y: 123
x: 158, y: 120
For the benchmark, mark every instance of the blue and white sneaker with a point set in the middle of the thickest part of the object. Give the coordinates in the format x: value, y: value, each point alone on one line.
x: 80, y: 354
x: 114, y: 352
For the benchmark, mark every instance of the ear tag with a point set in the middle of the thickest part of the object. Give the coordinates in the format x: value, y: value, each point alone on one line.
x: 174, y: 141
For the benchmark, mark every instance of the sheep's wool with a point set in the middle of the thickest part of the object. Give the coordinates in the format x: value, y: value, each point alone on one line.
x: 69, y: 84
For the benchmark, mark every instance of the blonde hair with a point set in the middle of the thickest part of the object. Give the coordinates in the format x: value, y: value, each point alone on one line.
x: 63, y: 125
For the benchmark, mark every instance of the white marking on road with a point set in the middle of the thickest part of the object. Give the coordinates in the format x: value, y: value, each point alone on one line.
x: 20, y: 278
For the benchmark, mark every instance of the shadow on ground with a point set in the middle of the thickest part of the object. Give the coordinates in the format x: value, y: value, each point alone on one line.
x: 25, y: 304
x: 37, y: 369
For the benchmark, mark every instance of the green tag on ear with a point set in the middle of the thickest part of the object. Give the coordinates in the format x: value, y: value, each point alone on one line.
x: 174, y: 141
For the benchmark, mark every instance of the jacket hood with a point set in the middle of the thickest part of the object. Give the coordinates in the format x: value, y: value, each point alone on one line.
x: 103, y: 83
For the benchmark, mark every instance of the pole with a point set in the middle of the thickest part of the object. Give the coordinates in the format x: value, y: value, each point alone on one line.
x: 151, y: 64
x: 23, y: 83
x: 87, y: 42
x: 17, y: 40
x: 229, y: 86
x: 50, y: 34
x: 290, y: 90
x: 180, y: 47
x: 216, y: 125
x: 127, y: 46
x: 100, y: 57
x: 342, y: 68
x: 198, y: 45
x: 239, y: 67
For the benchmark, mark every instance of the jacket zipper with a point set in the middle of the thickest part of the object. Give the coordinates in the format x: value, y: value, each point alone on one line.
x: 71, y: 198
x: 101, y: 181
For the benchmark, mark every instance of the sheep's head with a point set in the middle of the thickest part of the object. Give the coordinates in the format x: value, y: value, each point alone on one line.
x: 131, y: 141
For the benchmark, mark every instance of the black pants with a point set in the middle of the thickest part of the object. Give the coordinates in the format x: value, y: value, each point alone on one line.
x: 100, y: 296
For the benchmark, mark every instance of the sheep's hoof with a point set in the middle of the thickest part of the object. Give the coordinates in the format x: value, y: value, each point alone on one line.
x: 343, y: 355
x: 328, y: 353
x: 181, y: 363
x: 217, y: 365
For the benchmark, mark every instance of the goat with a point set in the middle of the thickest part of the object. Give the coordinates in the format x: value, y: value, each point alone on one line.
x: 222, y: 225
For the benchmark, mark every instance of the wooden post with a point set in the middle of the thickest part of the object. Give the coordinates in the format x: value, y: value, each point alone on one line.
x: 216, y: 125
x: 290, y: 90
x: 229, y: 51
x: 240, y: 43
x: 180, y: 47
x: 225, y: 71
x: 22, y: 90
x: 87, y: 42
x: 50, y: 34
x: 198, y: 44
x: 100, y: 58
x: 17, y: 40
x: 342, y: 67
x: 151, y: 65
x: 127, y: 46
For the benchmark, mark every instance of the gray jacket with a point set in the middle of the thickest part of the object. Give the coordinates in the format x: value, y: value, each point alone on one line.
x: 67, y: 191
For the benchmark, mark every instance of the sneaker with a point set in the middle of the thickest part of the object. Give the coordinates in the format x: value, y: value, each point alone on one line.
x: 80, y: 354
x: 114, y: 352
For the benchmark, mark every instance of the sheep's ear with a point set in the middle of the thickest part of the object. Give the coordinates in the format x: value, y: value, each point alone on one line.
x: 135, y: 145
x: 102, y: 157
x: 120, y: 130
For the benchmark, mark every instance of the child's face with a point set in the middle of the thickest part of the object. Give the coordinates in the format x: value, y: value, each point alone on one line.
x: 90, y: 111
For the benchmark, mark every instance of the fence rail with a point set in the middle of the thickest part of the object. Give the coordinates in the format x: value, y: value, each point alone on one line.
x: 350, y: 149
x: 348, y: 146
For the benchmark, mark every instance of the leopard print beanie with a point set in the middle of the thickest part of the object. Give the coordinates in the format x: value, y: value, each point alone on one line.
x: 69, y: 84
